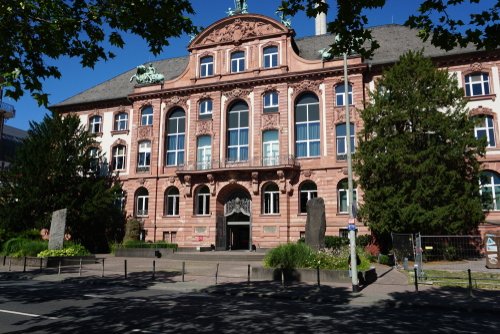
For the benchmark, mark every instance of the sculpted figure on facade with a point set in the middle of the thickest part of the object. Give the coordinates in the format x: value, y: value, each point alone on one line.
x: 147, y: 75
x: 239, y: 29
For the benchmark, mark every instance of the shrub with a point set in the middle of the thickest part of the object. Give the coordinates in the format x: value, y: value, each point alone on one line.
x: 336, y: 242
x: 371, y: 258
x: 12, y: 246
x: 73, y: 250
x: 288, y: 255
x: 449, y: 252
x: 384, y: 259
x: 302, y: 240
x: 363, y: 240
x: 32, y: 248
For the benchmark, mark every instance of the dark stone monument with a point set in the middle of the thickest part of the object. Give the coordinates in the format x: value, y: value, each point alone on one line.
x: 57, y: 229
x: 316, y: 224
x: 132, y: 230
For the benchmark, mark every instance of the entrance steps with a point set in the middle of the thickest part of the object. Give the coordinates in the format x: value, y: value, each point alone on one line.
x: 220, y: 256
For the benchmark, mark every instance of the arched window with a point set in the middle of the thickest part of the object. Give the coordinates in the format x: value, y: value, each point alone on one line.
x: 94, y: 162
x: 121, y: 122
x: 308, y: 190
x: 490, y: 191
x: 271, y: 57
x: 485, y: 128
x: 142, y: 202
x: 206, y: 109
x: 270, y: 148
x: 477, y: 84
x: 270, y: 102
x: 342, y: 142
x: 95, y: 124
x: 207, y: 67
x: 343, y: 198
x: 144, y: 157
x: 203, y: 199
x: 237, y: 62
x: 172, y: 201
x: 147, y: 116
x: 271, y: 199
x: 119, y: 157
x: 307, y: 132
x: 175, y: 137
x: 340, y: 95
x: 237, y: 144
x: 204, y: 152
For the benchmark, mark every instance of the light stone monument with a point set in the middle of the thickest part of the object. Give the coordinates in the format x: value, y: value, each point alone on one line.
x: 57, y: 229
x: 316, y: 223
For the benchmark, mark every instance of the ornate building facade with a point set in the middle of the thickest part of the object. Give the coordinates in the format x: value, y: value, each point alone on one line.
x: 241, y: 133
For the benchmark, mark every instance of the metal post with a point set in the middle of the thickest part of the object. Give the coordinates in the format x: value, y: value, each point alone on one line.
x: 319, y: 287
x: 80, y: 270
x: 183, y: 264
x: 10, y: 262
x: 216, y: 272
x: 125, y: 267
x: 282, y: 277
x: 24, y: 266
x: 354, y: 264
x: 4, y: 257
x: 248, y: 281
x: 153, y: 270
x: 470, y: 284
x: 41, y: 264
x: 59, y: 272
x: 102, y: 272
x: 416, y: 280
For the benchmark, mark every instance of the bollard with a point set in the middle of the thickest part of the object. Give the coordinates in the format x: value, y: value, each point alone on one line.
x: 10, y: 262
x: 59, y: 273
x: 319, y: 287
x: 4, y: 257
x: 41, y: 264
x: 282, y: 277
x: 102, y: 272
x: 416, y: 281
x: 125, y: 267
x: 216, y: 272
x: 153, y: 270
x: 183, y: 264
x: 406, y: 264
x: 248, y: 282
x: 80, y: 270
x: 24, y: 266
x: 470, y: 284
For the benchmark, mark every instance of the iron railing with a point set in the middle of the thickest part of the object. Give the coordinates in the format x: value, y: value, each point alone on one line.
x: 342, y: 157
x: 8, y: 107
x: 281, y: 160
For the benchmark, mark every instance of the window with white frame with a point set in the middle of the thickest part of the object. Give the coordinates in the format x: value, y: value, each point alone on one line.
x: 340, y: 95
x: 95, y: 124
x: 204, y: 153
x: 207, y: 67
x: 203, y: 199
x: 271, y: 199
x: 238, y: 62
x: 308, y: 191
x: 271, y: 102
x: 119, y: 157
x: 94, y: 156
x: 342, y: 141
x: 121, y: 122
x: 119, y: 201
x: 477, y: 84
x: 206, y: 109
x: 307, y: 130
x: 343, y: 197
x: 490, y: 191
x: 142, y: 202
x: 147, y: 116
x: 175, y: 137
x: 172, y: 201
x: 271, y: 57
x: 270, y: 148
x: 144, y: 158
x: 237, y: 148
x: 485, y: 129
x: 344, y: 233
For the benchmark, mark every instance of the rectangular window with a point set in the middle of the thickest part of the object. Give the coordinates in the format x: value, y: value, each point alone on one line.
x: 121, y: 122
x: 119, y: 158
x: 207, y: 67
x: 271, y: 57
x: 271, y: 102
x: 238, y: 62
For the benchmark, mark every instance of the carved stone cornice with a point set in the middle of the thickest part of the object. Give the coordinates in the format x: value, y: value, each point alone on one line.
x: 237, y: 93
x: 270, y: 89
x: 306, y: 86
x: 481, y: 111
x: 270, y: 122
x: 204, y: 127
x: 178, y: 101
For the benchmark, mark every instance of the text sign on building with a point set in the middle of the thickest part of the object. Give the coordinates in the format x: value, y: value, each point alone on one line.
x: 351, y: 227
x: 200, y: 238
x: 351, y: 221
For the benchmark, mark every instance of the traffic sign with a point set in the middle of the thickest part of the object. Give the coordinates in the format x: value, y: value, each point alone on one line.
x: 351, y: 227
x: 352, y: 221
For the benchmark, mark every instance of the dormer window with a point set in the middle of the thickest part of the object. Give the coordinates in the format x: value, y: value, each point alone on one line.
x: 477, y: 84
x: 237, y: 62
x: 207, y: 67
x: 271, y: 57
x: 206, y: 109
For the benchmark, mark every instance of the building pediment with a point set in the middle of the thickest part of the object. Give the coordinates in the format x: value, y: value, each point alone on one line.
x: 238, y: 28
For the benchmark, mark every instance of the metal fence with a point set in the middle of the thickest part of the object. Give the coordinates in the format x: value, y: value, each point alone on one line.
x: 447, y: 248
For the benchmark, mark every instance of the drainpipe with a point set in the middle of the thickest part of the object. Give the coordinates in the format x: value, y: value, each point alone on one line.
x: 157, y: 171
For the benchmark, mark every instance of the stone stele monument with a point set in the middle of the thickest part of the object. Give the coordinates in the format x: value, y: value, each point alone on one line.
x: 132, y: 230
x: 316, y: 223
x: 57, y: 229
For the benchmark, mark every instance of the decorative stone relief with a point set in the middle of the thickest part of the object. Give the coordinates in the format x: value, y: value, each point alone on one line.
x: 145, y: 104
x: 238, y: 30
x: 481, y: 111
x: 176, y: 100
x: 144, y: 132
x: 270, y: 229
x: 255, y: 182
x: 306, y: 85
x: 307, y: 173
x: 232, y: 177
x: 474, y: 68
x: 119, y: 142
x: 95, y: 112
x: 282, y: 181
x: 270, y: 89
x: 237, y: 93
x: 204, y: 127
x: 290, y: 180
x: 339, y: 116
x: 271, y: 122
x: 211, y: 180
x: 200, y: 229
x: 120, y: 109
x: 205, y: 96
x: 141, y: 181
x: 187, y: 185
x: 171, y: 181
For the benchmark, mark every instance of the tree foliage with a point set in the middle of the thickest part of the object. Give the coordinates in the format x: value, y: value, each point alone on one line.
x: 52, y: 171
x: 417, y: 158
x: 33, y: 31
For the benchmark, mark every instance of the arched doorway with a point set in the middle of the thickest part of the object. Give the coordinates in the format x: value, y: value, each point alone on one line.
x: 238, y: 219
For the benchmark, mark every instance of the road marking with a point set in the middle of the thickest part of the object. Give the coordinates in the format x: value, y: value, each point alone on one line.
x: 30, y: 315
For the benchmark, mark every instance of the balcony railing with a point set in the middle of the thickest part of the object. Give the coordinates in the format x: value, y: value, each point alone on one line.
x: 342, y: 157
x: 8, y: 107
x: 229, y: 163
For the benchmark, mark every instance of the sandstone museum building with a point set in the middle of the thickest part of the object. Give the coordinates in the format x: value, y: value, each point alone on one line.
x: 227, y: 149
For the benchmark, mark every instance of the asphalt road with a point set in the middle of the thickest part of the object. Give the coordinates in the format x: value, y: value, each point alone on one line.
x: 46, y: 307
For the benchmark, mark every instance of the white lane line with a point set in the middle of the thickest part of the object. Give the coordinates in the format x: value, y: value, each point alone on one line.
x: 30, y: 315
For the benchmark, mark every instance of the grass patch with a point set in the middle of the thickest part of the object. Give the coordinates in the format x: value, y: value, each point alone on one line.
x: 459, y: 279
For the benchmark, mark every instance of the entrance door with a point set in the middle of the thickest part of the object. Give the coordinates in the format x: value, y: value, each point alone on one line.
x: 237, y: 212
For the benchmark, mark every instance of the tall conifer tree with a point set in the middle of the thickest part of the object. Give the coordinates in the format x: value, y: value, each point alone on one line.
x: 417, y: 158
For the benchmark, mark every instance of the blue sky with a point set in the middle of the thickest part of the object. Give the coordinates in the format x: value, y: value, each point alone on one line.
x: 76, y: 79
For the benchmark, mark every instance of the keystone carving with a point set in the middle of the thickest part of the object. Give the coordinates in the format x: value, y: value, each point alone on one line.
x: 187, y: 185
x: 306, y: 86
x: 270, y: 89
x: 307, y: 173
x: 211, y: 180
x: 204, y: 127
x: 95, y: 112
x: 282, y: 181
x: 141, y: 181
x: 237, y: 93
x: 119, y: 142
x: 176, y: 100
x: 255, y: 182
x: 481, y: 111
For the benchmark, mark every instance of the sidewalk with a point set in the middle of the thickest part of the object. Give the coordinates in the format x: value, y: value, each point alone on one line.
x: 390, y: 290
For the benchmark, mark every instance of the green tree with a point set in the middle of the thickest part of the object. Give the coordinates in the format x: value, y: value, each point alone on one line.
x: 33, y: 31
x: 417, y: 158
x: 53, y: 170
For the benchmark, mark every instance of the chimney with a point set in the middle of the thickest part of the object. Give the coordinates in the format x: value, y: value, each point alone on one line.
x: 320, y: 21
